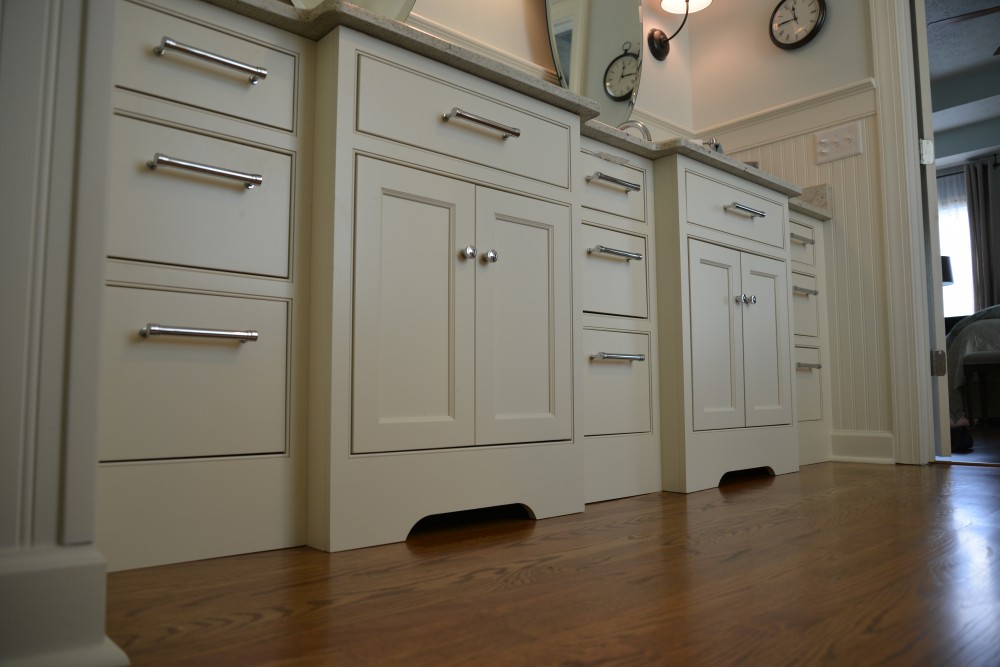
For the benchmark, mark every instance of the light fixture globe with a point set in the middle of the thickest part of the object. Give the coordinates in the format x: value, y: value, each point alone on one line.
x: 679, y: 6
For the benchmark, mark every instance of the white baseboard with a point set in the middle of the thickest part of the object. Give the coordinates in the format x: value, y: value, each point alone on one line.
x: 863, y: 447
x: 52, y: 608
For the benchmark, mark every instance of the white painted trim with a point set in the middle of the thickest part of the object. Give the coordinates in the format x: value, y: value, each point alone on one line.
x: 840, y: 105
x: 906, y: 298
x: 863, y: 446
x: 659, y: 127
x: 56, y: 602
x: 441, y: 31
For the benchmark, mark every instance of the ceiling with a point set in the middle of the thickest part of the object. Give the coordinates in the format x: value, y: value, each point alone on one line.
x: 963, y: 37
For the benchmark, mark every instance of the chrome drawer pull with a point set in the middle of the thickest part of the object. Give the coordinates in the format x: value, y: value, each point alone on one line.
x: 805, y: 291
x: 604, y: 250
x: 802, y: 240
x: 799, y: 366
x: 614, y: 356
x: 505, y: 130
x: 160, y: 330
x: 248, y: 180
x: 754, y: 213
x: 167, y: 44
x: 601, y: 176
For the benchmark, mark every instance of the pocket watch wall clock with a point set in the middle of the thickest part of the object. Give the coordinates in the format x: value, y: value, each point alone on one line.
x: 622, y: 75
x: 794, y: 23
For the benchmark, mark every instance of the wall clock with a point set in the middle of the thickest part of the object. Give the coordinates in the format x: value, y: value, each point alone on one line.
x: 794, y: 23
x: 622, y: 75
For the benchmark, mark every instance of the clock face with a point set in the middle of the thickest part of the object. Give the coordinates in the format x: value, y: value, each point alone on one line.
x: 622, y: 76
x: 794, y: 23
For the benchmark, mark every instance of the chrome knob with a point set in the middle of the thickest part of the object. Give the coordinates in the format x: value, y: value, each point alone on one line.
x: 491, y: 256
x: 742, y: 298
x: 753, y: 299
x: 469, y: 252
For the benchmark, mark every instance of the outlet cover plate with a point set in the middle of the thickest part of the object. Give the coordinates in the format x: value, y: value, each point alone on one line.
x: 839, y: 142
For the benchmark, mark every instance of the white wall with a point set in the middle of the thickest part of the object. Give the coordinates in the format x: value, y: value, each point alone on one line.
x: 737, y: 71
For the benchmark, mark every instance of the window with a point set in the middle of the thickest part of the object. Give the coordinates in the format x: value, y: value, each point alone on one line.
x: 953, y: 229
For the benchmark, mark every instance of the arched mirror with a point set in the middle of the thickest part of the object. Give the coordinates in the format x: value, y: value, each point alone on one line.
x: 597, y: 51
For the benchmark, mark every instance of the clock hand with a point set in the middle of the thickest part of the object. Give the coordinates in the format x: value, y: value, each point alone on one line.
x: 788, y: 21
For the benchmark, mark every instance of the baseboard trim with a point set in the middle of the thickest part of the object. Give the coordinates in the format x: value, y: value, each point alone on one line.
x: 52, y: 608
x: 440, y: 31
x: 863, y: 447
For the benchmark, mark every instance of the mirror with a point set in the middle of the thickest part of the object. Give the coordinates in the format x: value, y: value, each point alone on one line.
x: 597, y: 51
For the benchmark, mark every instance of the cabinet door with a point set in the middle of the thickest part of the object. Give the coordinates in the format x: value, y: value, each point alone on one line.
x: 716, y: 337
x: 523, y: 320
x: 414, y: 317
x: 766, y: 348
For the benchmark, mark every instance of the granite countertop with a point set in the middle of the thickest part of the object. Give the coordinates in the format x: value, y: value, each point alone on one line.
x: 321, y: 20
x: 814, y: 202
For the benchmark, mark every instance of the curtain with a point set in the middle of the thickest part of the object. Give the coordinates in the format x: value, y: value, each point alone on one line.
x: 983, y: 190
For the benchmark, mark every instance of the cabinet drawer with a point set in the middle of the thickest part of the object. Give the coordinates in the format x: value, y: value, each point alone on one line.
x: 196, y: 82
x: 167, y: 397
x: 175, y: 216
x: 710, y: 204
x: 808, y: 384
x: 541, y: 152
x: 802, y: 242
x: 612, y: 284
x: 610, y: 193
x: 616, y: 392
x: 805, y: 299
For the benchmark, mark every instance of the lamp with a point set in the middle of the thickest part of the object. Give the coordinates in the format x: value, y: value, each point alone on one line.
x: 946, y: 276
x: 659, y: 43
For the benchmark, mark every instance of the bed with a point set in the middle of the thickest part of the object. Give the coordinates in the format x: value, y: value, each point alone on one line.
x: 974, y: 366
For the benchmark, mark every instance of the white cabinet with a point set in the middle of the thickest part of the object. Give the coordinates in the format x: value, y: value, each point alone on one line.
x: 442, y: 305
x: 725, y: 353
x: 617, y: 360
x: 813, y: 399
x: 202, y: 433
x: 455, y: 350
x: 739, y: 339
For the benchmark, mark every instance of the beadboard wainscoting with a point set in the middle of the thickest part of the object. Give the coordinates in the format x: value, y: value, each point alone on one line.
x: 781, y: 141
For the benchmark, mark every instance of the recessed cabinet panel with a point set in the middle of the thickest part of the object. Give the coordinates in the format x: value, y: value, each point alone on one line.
x: 724, y: 207
x: 614, y: 284
x: 616, y: 391
x: 173, y: 215
x: 802, y: 244
x: 808, y: 384
x: 169, y: 396
x: 716, y: 337
x: 523, y: 316
x: 414, y: 310
x: 540, y: 152
x: 196, y: 82
x: 603, y: 186
x: 805, y: 305
x: 766, y: 342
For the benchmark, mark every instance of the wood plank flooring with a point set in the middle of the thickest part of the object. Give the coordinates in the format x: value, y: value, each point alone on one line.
x: 840, y: 564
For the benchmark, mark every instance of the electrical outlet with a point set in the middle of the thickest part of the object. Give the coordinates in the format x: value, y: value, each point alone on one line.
x: 839, y: 142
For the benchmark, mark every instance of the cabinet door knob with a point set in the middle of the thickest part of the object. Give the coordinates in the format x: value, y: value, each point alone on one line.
x: 742, y: 298
x: 491, y: 256
x: 469, y: 252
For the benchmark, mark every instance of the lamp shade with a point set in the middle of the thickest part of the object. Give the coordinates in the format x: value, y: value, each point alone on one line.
x: 678, y: 6
x: 946, y: 276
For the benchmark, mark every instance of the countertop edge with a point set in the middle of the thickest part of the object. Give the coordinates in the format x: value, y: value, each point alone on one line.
x: 318, y: 22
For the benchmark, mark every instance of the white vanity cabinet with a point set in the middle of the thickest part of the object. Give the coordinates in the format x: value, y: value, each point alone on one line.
x: 617, y: 358
x: 726, y: 379
x: 813, y: 400
x: 442, y: 320
x: 202, y: 431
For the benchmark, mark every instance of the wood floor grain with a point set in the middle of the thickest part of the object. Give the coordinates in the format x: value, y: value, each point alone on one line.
x: 840, y: 564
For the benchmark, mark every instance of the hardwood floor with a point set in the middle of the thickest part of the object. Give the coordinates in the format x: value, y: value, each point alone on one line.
x: 840, y: 564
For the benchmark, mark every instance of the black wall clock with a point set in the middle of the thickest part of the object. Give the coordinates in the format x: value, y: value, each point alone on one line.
x: 622, y: 75
x: 795, y: 23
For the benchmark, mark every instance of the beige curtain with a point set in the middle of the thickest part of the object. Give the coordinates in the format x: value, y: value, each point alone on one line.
x: 983, y: 191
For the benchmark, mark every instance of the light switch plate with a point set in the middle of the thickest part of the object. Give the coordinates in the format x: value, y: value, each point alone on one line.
x: 838, y: 142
